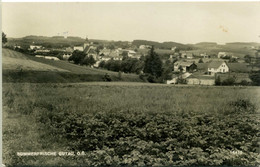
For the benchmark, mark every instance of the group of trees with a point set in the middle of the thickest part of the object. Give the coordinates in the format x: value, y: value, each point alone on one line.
x: 79, y: 57
x: 4, y: 38
x: 127, y: 65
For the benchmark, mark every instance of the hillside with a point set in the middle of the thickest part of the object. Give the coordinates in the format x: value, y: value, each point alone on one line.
x: 18, y: 67
x: 164, y: 45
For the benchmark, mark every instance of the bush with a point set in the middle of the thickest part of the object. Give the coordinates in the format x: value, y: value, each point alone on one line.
x: 228, y: 81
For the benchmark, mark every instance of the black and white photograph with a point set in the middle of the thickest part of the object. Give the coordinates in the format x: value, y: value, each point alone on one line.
x: 141, y: 83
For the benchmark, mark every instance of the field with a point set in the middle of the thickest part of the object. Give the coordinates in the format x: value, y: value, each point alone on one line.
x: 124, y: 123
x: 18, y: 67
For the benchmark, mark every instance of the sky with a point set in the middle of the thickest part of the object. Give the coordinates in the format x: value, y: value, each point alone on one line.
x: 184, y: 22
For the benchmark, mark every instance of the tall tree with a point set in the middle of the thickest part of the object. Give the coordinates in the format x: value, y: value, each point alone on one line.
x: 77, y: 57
x: 153, y: 64
x: 4, y: 39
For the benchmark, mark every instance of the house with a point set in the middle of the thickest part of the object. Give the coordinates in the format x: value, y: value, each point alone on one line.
x: 144, y: 47
x: 91, y: 51
x: 200, y: 80
x: 186, y: 66
x: 186, y: 55
x: 80, y: 48
x: 39, y: 56
x: 175, y: 78
x: 174, y: 48
x: 51, y: 58
x: 217, y: 67
x: 66, y: 56
x: 105, y: 58
x: 69, y: 49
x: 131, y: 53
x: 204, y: 55
x: 34, y: 47
x: 17, y: 46
x: 223, y: 54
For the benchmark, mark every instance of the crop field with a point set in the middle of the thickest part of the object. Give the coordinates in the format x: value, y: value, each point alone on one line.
x: 130, y: 124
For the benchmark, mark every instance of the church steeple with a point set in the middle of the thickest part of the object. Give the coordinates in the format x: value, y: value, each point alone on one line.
x: 86, y: 43
x: 86, y: 40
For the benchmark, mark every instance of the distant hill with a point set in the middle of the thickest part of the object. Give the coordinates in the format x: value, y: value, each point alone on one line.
x: 164, y: 45
x: 205, y: 44
x: 50, y: 42
x: 243, y: 44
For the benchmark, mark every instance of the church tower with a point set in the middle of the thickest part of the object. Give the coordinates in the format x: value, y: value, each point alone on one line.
x: 86, y: 43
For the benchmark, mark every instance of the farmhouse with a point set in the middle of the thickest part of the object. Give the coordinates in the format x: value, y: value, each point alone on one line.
x: 186, y: 66
x: 224, y: 54
x: 175, y: 77
x: 200, y: 80
x: 217, y: 67
x: 66, y: 56
x: 32, y: 47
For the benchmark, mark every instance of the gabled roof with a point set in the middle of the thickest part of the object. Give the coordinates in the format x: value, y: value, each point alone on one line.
x: 202, y: 66
x: 215, y: 64
x: 238, y: 67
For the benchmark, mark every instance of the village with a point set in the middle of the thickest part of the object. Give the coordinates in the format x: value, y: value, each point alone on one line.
x: 184, y: 66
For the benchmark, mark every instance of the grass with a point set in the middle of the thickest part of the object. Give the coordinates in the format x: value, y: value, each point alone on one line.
x: 18, y: 67
x: 34, y: 116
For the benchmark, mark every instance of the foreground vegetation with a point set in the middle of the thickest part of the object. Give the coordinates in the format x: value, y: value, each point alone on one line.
x: 131, y: 124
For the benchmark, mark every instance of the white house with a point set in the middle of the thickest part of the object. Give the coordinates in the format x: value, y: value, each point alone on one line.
x: 174, y: 48
x: 131, y: 53
x: 144, y: 47
x: 39, y: 56
x: 35, y: 47
x: 80, y: 48
x: 222, y: 54
x: 217, y: 66
x: 51, y: 58
x: 66, y: 56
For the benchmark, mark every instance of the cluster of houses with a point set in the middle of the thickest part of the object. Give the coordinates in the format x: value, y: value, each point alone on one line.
x: 205, y: 73
x: 187, y: 67
x: 90, y: 49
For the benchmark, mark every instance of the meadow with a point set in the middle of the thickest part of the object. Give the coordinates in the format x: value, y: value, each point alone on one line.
x: 18, y: 67
x: 122, y: 123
